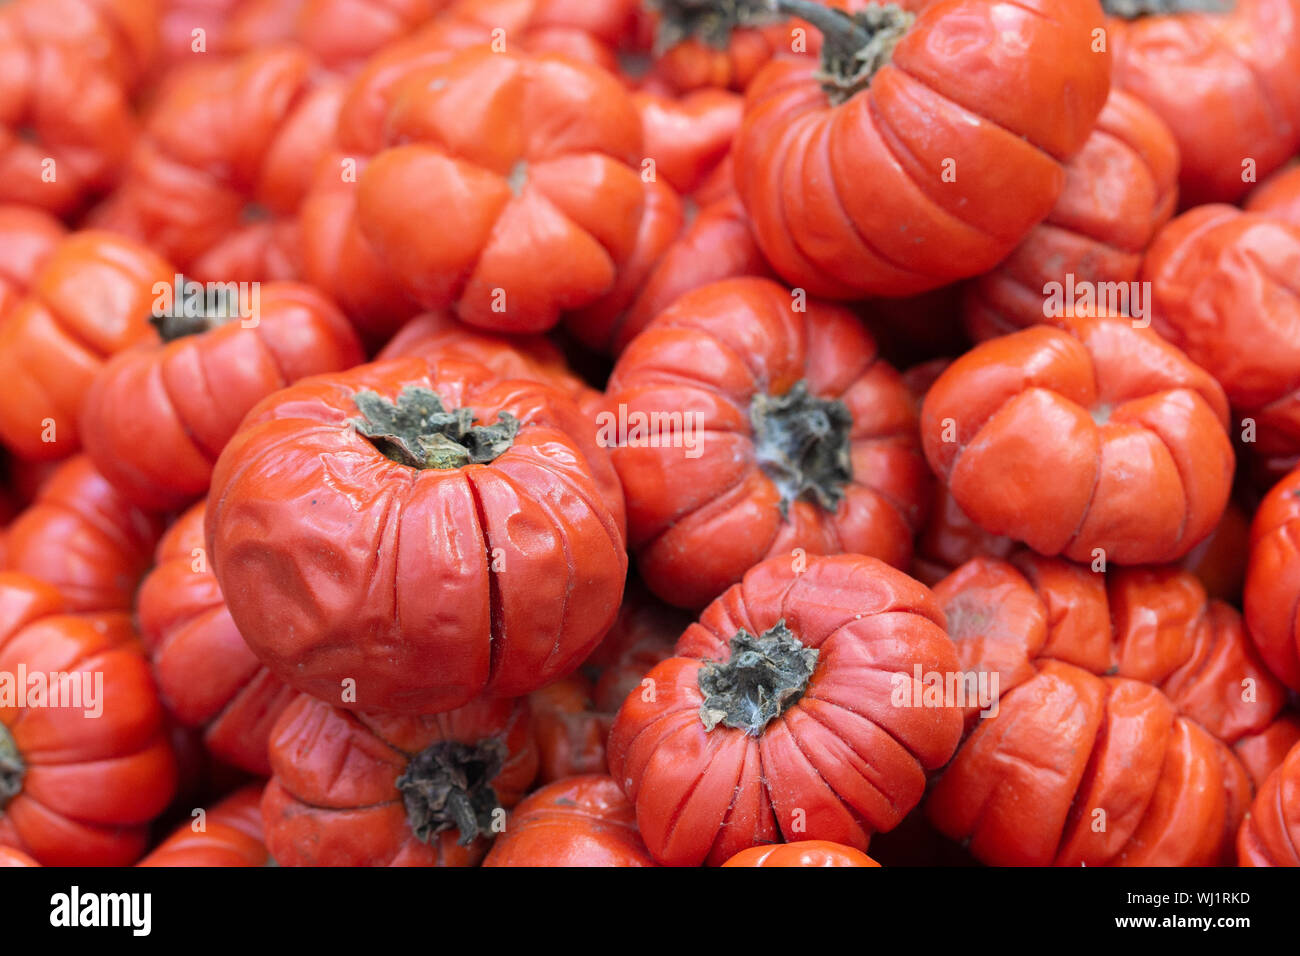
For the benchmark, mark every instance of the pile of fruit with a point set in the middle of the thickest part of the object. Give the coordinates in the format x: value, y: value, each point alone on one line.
x: 650, y: 432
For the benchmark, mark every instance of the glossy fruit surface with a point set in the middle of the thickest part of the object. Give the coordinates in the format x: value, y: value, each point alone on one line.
x: 789, y: 433
x: 1094, y: 437
x: 776, y: 719
x: 416, y: 791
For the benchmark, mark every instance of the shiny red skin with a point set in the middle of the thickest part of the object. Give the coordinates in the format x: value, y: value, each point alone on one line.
x: 82, y: 536
x: 1225, y: 83
x: 1278, y: 195
x: 91, y: 299
x: 802, y: 854
x: 717, y: 244
x: 426, y: 627
x: 28, y: 237
x: 1272, y: 593
x: 120, y: 37
x: 860, y: 199
x: 1261, y: 753
x: 688, y: 136
x: 697, y: 524
x: 92, y: 785
x: 1220, y: 277
x: 265, y: 120
x: 58, y: 106
x: 150, y: 421
x: 1270, y: 835
x: 578, y: 821
x: 1119, y: 692
x: 838, y: 764
x: 231, y: 835
x: 1120, y: 189
x: 1088, y: 434
x: 207, y: 677
x: 538, y: 195
x: 316, y: 816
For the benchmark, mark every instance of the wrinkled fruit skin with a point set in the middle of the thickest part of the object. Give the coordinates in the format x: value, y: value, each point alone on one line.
x: 839, y: 763
x: 854, y: 200
x: 1272, y: 595
x: 315, y: 816
x: 1224, y: 290
x: 425, y: 588
x: 207, y: 676
x: 1120, y: 189
x: 700, y: 518
x: 1225, y: 83
x: 1118, y: 698
x: 1270, y: 835
x: 1091, y: 435
x: 534, y: 193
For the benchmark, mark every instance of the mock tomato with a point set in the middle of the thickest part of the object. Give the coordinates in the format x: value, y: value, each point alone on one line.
x: 776, y: 718
x: 1278, y: 195
x: 1120, y: 189
x: 228, y: 834
x: 535, y: 194
x: 66, y: 119
x: 1270, y: 836
x: 579, y: 821
x: 1223, y: 290
x: 424, y: 531
x: 924, y: 147
x: 81, y: 777
x: 1101, y: 710
x: 717, y: 244
x: 688, y: 137
x: 803, y: 853
x: 82, y: 536
x: 91, y: 299
x: 207, y: 677
x: 748, y: 422
x: 28, y: 237
x: 1261, y: 753
x: 416, y: 791
x: 157, y: 415
x: 1273, y: 580
x: 206, y: 201
x: 1224, y: 80
x: 121, y: 37
x: 1090, y: 439
x: 570, y: 733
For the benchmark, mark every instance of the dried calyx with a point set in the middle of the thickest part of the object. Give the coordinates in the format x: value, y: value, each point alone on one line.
x: 449, y: 784
x: 1132, y: 9
x: 420, y: 432
x: 197, y: 309
x: 12, y: 768
x: 854, y: 45
x: 764, y: 677
x: 802, y: 444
